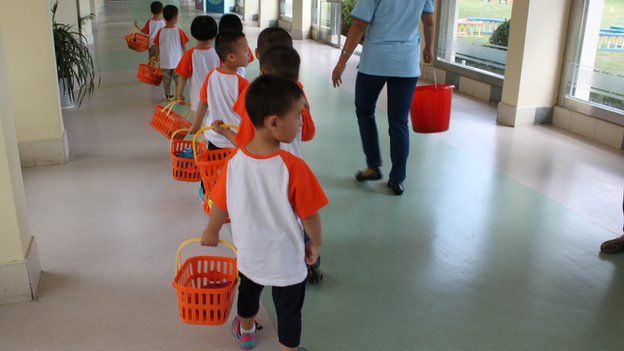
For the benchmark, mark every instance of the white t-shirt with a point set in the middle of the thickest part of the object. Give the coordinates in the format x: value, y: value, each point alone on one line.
x: 220, y: 91
x: 169, y: 41
x: 195, y: 65
x: 265, y: 198
x: 152, y: 27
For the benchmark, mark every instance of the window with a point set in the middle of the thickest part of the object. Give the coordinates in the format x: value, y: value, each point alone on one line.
x: 594, y: 65
x: 473, y: 35
x: 286, y: 9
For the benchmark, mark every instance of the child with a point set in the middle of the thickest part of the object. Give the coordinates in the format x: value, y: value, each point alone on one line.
x: 232, y: 23
x: 198, y: 61
x: 272, y: 36
x: 271, y: 197
x: 153, y: 25
x: 222, y: 87
x: 170, y: 42
x: 282, y: 61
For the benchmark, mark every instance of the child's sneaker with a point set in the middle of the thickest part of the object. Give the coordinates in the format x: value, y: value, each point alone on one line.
x: 246, y: 341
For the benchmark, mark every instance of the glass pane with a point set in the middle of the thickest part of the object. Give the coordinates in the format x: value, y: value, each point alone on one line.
x: 286, y: 8
x: 329, y: 22
x: 315, y: 10
x: 598, y: 71
x: 475, y: 34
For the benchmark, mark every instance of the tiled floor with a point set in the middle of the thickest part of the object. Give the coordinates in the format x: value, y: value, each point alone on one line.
x: 493, y: 247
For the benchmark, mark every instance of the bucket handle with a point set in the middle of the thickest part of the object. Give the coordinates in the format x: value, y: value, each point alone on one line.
x: 153, y: 59
x: 193, y: 241
x: 201, y: 132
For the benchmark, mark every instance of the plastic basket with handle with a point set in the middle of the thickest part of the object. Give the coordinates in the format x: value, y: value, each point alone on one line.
x: 150, y: 73
x: 431, y: 107
x: 137, y: 41
x: 209, y: 163
x: 205, y: 286
x: 183, y: 167
x: 166, y: 121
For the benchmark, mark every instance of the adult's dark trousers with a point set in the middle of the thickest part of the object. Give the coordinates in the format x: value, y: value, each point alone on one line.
x: 400, y: 92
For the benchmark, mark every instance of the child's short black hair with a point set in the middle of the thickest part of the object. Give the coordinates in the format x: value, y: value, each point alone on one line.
x: 270, y: 95
x: 230, y: 22
x: 156, y: 7
x: 204, y: 28
x: 169, y: 12
x: 224, y: 44
x: 282, y: 61
x: 273, y: 36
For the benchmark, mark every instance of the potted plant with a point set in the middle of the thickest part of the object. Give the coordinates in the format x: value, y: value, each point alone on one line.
x: 74, y: 63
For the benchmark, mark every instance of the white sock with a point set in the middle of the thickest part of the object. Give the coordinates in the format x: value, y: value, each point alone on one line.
x: 245, y: 331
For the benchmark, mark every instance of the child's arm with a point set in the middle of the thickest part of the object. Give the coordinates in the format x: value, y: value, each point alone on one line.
x: 201, y: 112
x: 312, y: 227
x: 216, y: 221
x: 225, y: 131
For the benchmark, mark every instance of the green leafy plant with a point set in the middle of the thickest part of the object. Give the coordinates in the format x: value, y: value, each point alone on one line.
x: 500, y: 36
x: 347, y: 7
x: 74, y: 63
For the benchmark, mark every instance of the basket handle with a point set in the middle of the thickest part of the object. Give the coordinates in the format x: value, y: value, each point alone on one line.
x: 193, y: 241
x: 170, y: 105
x: 201, y: 132
x: 173, y: 137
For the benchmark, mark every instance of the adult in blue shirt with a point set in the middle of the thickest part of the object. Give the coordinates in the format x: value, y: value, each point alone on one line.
x: 390, y: 55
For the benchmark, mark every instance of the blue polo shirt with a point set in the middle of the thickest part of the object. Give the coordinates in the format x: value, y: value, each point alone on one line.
x: 392, y: 43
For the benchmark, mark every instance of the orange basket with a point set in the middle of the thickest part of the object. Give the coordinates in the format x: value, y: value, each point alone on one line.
x: 150, y: 74
x: 182, y: 168
x: 209, y: 164
x: 137, y: 41
x: 166, y: 121
x: 205, y: 286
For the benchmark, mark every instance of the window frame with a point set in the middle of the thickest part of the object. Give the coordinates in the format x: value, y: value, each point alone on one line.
x: 471, y: 73
x: 574, y: 40
x: 284, y: 17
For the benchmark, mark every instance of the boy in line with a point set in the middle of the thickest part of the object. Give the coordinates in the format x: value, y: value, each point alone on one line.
x: 170, y: 44
x: 153, y: 25
x: 271, y: 197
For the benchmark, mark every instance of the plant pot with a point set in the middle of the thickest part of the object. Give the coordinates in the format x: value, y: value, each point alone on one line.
x: 66, y: 99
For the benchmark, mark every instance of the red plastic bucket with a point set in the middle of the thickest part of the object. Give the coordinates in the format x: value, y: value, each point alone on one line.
x: 431, y: 108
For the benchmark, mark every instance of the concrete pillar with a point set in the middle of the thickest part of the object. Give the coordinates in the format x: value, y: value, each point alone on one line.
x: 32, y: 82
x: 534, y: 61
x: 301, y: 19
x: 67, y: 11
x: 250, y: 10
x: 85, y: 9
x: 19, y: 261
x: 268, y: 13
x: 588, y: 47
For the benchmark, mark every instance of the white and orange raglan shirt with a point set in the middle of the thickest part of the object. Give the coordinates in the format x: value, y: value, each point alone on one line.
x: 266, y: 198
x: 195, y: 66
x: 152, y: 27
x: 220, y: 92
x: 169, y: 41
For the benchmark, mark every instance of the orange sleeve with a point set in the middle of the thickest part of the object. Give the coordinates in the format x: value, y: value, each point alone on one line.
x: 219, y: 192
x: 183, y: 38
x: 185, y: 67
x: 203, y: 92
x: 245, y: 130
x: 243, y: 84
x: 308, y: 129
x: 157, y: 38
x: 146, y: 27
x: 250, y: 55
x: 304, y: 191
